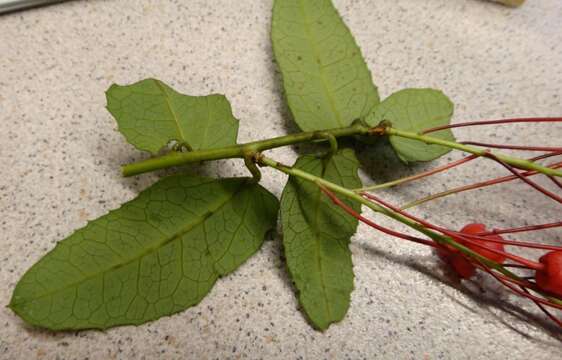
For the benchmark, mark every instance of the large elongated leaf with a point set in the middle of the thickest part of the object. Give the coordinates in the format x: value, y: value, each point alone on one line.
x: 326, y: 80
x: 316, y: 235
x: 151, y: 114
x: 415, y: 110
x: 158, y: 254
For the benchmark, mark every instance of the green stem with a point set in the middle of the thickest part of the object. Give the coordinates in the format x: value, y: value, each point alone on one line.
x: 330, y: 135
x: 513, y: 161
x: 252, y: 168
x: 331, y: 139
x: 241, y: 150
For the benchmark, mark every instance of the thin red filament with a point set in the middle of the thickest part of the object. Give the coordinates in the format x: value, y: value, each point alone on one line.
x: 439, y: 169
x: 363, y: 219
x: 543, y: 309
x: 490, y: 182
x: 544, y: 156
x: 513, y: 147
x: 523, y: 178
x: 523, y: 228
x: 494, y: 122
x: 504, y: 280
x: 555, y: 181
x: 457, y: 235
x: 510, y: 242
x: 519, y: 292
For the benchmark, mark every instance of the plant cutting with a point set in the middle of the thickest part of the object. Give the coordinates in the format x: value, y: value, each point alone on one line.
x: 163, y: 251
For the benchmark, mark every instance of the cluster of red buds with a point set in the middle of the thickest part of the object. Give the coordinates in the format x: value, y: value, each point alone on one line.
x: 474, y: 248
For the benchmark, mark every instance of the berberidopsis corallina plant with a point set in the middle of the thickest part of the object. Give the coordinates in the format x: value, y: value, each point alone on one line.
x: 163, y: 251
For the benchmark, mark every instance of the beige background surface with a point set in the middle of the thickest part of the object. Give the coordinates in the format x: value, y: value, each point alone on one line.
x: 60, y: 155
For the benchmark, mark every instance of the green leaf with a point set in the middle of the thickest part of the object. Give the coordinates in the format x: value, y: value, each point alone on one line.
x: 156, y: 255
x: 416, y: 110
x: 316, y: 236
x: 151, y: 114
x: 327, y: 83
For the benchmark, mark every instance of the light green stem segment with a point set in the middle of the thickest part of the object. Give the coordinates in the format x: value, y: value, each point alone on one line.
x: 242, y: 150
x: 513, y: 161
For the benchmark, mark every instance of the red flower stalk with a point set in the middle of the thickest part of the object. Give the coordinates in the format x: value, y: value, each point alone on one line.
x: 524, y: 229
x: 524, y: 178
x: 478, y: 185
x: 514, y: 147
x: 554, y: 151
x: 494, y: 122
x: 474, y: 247
x: 486, y: 252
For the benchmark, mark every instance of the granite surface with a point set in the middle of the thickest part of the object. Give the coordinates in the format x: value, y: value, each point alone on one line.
x: 60, y: 155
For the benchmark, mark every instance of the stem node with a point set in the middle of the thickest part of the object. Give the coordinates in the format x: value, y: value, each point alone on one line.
x: 250, y: 160
x: 324, y: 135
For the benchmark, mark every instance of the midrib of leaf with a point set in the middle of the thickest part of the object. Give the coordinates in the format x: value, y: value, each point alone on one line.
x: 167, y: 240
x: 312, y: 41
x: 318, y: 248
x: 317, y: 241
x: 174, y: 115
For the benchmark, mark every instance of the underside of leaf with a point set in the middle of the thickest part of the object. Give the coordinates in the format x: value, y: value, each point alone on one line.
x: 327, y: 83
x: 156, y: 255
x: 415, y: 110
x: 316, y: 236
x: 151, y: 114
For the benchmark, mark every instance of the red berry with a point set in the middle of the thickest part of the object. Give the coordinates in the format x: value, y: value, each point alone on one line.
x: 550, y: 278
x: 474, y: 229
x: 464, y: 268
x: 460, y: 263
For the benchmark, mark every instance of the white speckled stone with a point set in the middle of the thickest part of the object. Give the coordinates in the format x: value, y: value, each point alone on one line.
x: 60, y: 156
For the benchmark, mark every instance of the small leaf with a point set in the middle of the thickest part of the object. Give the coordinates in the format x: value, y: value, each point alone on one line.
x: 327, y: 83
x: 158, y: 254
x: 151, y: 114
x: 316, y: 236
x: 415, y: 110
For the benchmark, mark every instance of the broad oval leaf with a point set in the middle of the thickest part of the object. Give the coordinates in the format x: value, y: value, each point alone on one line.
x: 316, y: 236
x: 156, y: 255
x: 416, y: 110
x: 327, y: 83
x: 151, y: 114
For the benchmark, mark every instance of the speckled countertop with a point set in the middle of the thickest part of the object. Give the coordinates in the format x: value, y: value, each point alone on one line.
x: 60, y: 155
